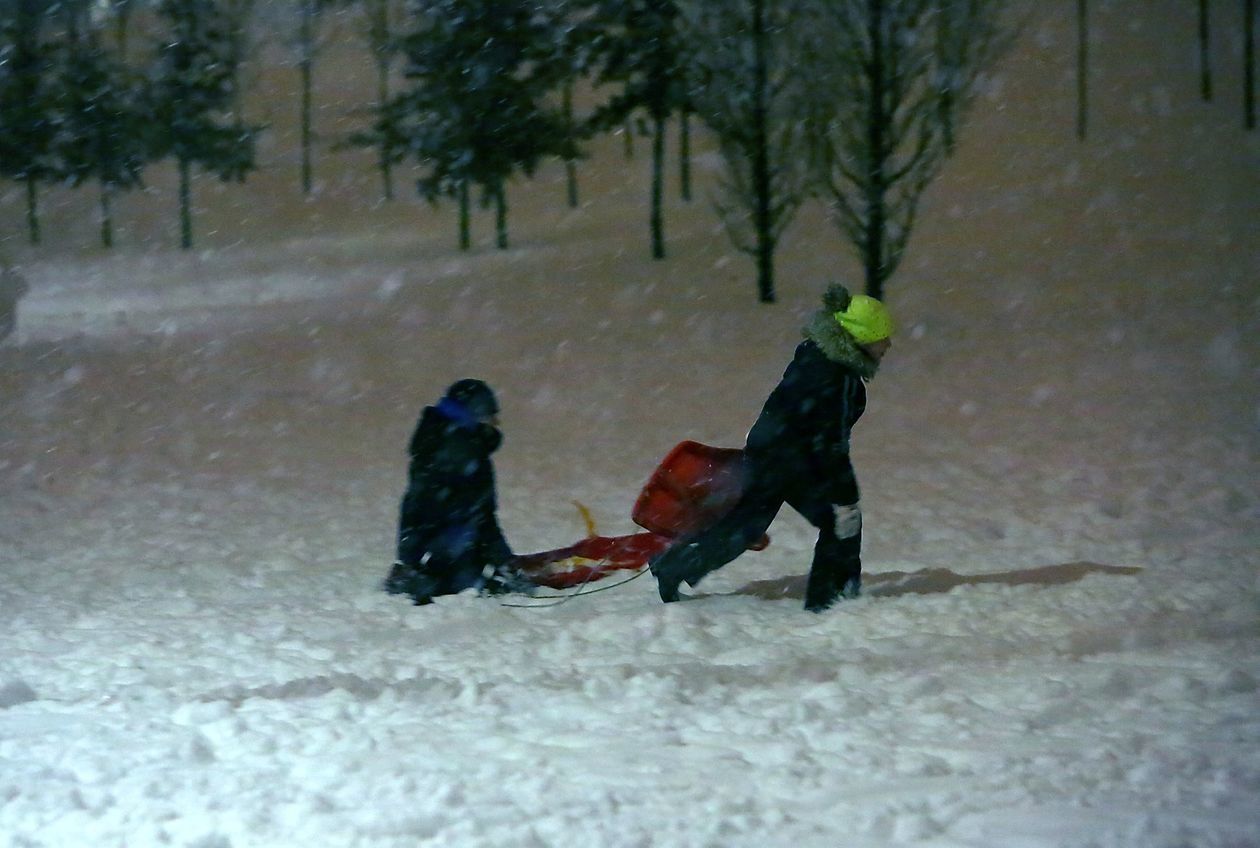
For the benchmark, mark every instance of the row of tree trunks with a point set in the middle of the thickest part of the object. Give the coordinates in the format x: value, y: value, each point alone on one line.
x: 1206, y: 77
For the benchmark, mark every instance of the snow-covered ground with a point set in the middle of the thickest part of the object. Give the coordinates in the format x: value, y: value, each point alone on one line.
x: 1059, y: 643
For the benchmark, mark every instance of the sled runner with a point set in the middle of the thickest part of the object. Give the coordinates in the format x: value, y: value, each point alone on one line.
x: 693, y: 487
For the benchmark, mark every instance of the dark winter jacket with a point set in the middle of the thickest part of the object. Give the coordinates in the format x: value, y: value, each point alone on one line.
x: 448, y: 536
x: 800, y: 442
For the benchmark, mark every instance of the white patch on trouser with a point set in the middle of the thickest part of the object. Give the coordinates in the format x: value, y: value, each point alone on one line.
x: 848, y: 521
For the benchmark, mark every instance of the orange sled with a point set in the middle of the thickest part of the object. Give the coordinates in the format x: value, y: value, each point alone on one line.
x: 692, y: 488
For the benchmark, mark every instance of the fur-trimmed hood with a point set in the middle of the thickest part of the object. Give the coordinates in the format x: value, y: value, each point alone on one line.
x: 832, y: 339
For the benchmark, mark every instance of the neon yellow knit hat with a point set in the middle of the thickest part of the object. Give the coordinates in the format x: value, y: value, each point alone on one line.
x: 866, y: 319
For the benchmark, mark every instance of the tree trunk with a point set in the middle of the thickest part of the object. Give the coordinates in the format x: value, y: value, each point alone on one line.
x: 465, y: 237
x: 1205, y: 61
x: 570, y: 167
x: 107, y: 217
x: 658, y: 182
x: 1249, y: 64
x: 762, y: 219
x: 305, y: 66
x: 684, y: 154
x: 382, y: 97
x: 1082, y: 68
x: 32, y: 208
x: 876, y: 178
x: 185, y: 204
x: 947, y: 107
x: 500, y: 216
x: 570, y: 176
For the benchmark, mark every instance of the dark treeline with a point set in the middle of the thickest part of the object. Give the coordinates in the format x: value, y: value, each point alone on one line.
x: 852, y: 103
x: 1246, y: 25
x: 81, y: 102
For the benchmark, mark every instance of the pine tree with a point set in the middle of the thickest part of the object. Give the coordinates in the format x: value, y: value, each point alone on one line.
x: 238, y: 16
x: 99, y: 121
x: 26, y: 128
x: 475, y: 111
x: 748, y: 88
x: 381, y: 19
x: 189, y: 96
x: 309, y: 15
x: 310, y: 23
x: 120, y: 12
x: 641, y: 50
x: 572, y: 53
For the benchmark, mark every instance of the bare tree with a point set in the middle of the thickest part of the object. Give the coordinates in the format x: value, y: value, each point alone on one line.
x: 1249, y: 64
x: 1082, y: 68
x: 892, y: 87
x: 967, y: 37
x: 748, y: 88
x: 1205, y: 58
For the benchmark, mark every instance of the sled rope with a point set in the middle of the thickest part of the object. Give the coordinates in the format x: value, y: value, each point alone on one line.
x: 557, y: 600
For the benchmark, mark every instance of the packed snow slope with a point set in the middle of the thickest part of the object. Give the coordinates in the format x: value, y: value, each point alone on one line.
x: 201, y: 455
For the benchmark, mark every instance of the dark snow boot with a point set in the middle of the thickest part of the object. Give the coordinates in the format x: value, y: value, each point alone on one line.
x: 674, y: 567
x: 820, y: 592
x: 667, y: 586
x: 836, y: 573
x: 668, y: 577
x: 404, y: 579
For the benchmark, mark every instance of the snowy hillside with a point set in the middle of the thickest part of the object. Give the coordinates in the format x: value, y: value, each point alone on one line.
x: 1059, y: 643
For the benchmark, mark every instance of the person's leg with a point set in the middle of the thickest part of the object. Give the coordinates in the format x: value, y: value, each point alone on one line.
x: 406, y: 576
x: 837, y: 567
x: 433, y: 561
x: 691, y: 559
x: 836, y: 571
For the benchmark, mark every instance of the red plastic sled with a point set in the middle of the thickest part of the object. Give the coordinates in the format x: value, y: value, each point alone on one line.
x: 590, y: 559
x: 693, y: 487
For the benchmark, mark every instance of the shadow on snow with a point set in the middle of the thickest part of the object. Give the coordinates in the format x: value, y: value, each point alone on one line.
x: 938, y: 581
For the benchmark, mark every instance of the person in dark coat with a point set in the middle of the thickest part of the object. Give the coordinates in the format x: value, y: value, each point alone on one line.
x: 448, y: 533
x: 797, y: 453
x: 12, y: 288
